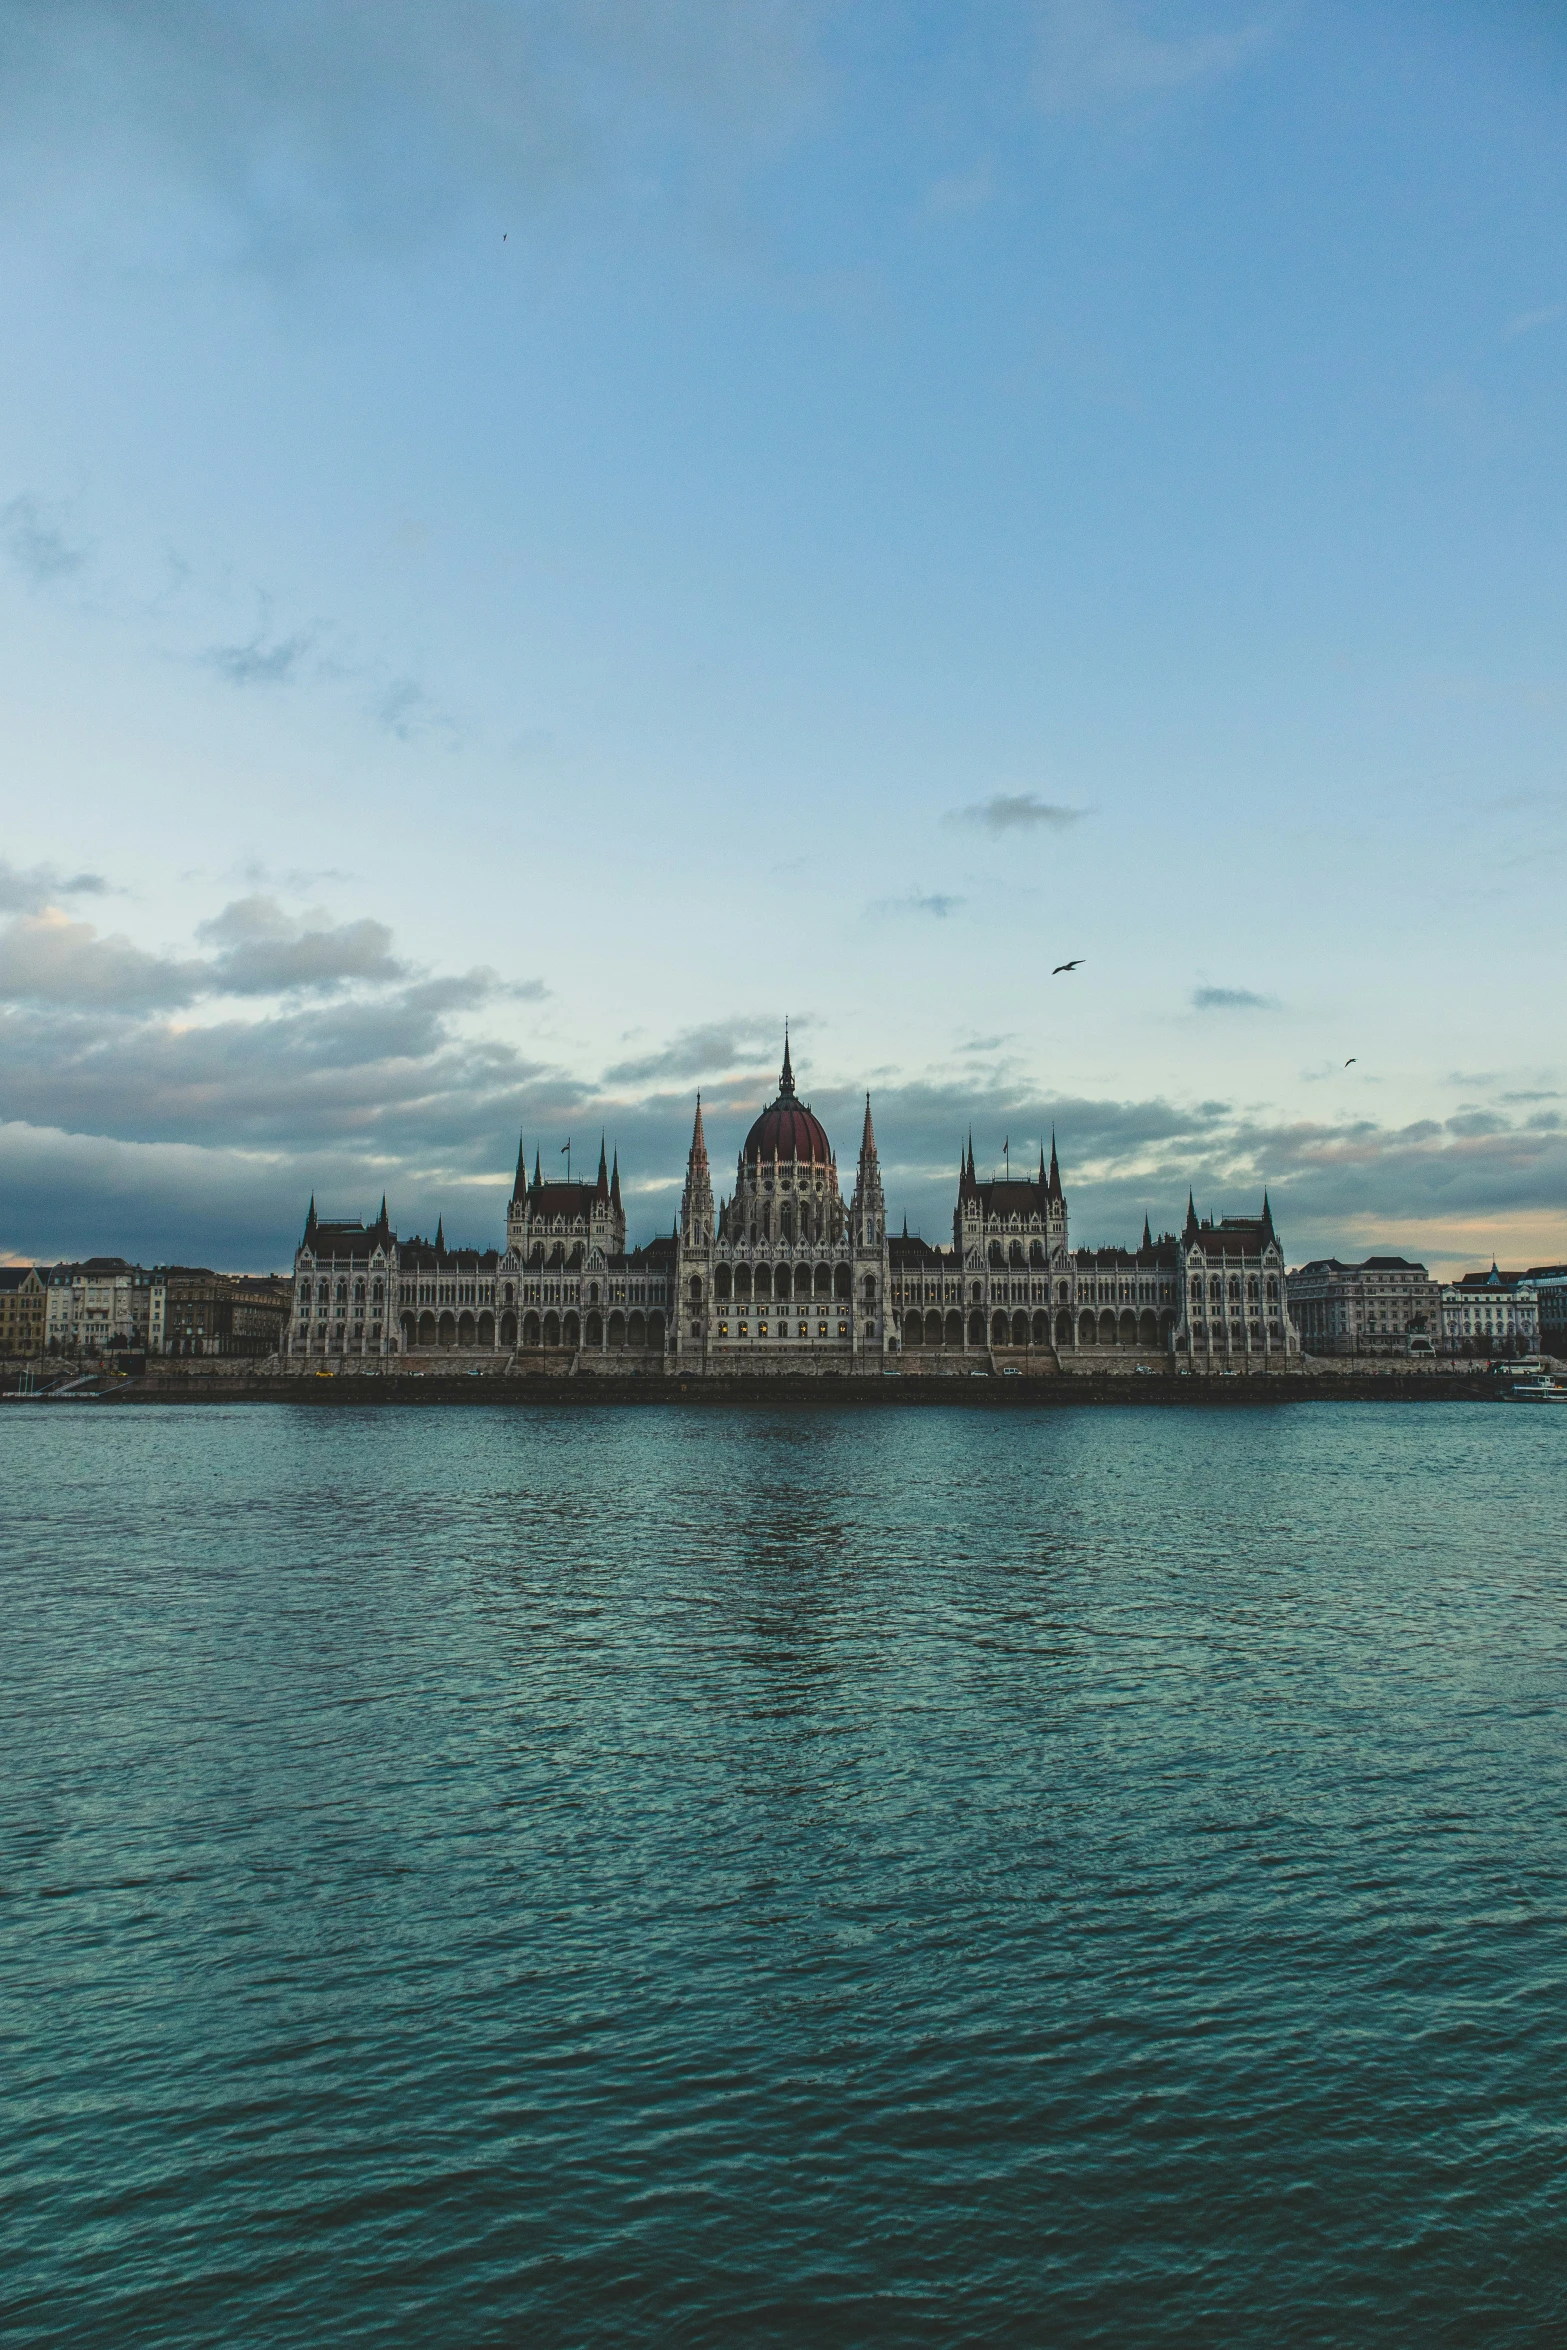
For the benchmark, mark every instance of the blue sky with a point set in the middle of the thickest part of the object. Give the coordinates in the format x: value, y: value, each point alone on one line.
x: 536, y: 540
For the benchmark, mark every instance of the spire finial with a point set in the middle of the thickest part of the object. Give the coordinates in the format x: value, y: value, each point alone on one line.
x: 786, y: 1074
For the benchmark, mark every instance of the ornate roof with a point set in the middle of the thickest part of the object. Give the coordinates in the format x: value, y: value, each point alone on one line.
x: 787, y: 1128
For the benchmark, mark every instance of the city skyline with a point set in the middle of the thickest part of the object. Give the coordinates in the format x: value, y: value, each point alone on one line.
x: 533, y: 548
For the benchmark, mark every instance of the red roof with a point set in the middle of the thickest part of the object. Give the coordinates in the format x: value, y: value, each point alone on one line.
x: 786, y: 1129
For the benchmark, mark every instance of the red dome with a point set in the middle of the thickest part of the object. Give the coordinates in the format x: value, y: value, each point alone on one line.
x: 786, y: 1129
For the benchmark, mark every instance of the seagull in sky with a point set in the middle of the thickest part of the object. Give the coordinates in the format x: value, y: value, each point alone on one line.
x: 1350, y: 1063
x: 1060, y: 967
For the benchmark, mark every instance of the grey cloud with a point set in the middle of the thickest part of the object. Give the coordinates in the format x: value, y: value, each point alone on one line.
x: 1114, y: 52
x: 1018, y: 812
x: 394, y: 120
x: 260, y: 662
x: 263, y: 951
x: 34, y: 537
x: 28, y: 890
x: 713, y: 1051
x: 352, y: 1097
x: 49, y: 958
x: 411, y: 714
x: 934, y: 903
x: 1230, y: 999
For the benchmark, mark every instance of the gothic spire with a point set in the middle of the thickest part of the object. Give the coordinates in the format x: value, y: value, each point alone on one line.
x: 310, y: 1220
x: 440, y: 1237
x: 601, y: 1188
x: 1267, y: 1217
x: 381, y: 1219
x: 868, y: 1137
x: 614, y: 1185
x: 1191, y: 1218
x: 521, y: 1183
x: 1147, y: 1235
x: 538, y: 1180
x: 786, y: 1073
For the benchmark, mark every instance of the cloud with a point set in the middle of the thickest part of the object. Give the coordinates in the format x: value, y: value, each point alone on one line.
x: 263, y: 951
x: 959, y: 193
x: 411, y: 714
x: 29, y: 891
x: 340, y: 127
x: 1529, y: 322
x: 1094, y: 52
x: 36, y: 542
x: 1231, y: 999
x: 162, y: 1136
x: 255, y: 949
x: 49, y: 958
x: 938, y: 905
x: 259, y: 662
x: 716, y: 1050
x: 1018, y: 812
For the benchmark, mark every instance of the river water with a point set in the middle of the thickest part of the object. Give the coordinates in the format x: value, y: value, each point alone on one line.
x: 500, y: 1875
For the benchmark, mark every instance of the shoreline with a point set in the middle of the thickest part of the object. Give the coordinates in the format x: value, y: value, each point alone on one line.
x: 1082, y: 1391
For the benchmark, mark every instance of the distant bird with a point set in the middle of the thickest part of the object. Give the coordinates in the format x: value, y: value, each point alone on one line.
x: 1350, y: 1063
x: 1060, y: 967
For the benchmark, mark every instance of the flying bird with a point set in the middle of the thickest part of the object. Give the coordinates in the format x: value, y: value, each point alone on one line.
x: 1350, y: 1063
x: 1060, y: 967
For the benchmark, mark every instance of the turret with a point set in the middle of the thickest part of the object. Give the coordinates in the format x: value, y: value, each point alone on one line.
x: 696, y: 1205
x: 868, y: 1214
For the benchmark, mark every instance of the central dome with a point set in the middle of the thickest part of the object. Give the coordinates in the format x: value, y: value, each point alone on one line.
x: 786, y: 1129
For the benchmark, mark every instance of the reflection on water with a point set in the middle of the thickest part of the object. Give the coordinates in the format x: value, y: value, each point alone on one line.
x: 492, y: 1875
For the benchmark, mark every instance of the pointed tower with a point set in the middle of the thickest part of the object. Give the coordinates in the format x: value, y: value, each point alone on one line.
x: 1189, y: 1228
x: 786, y: 1073
x: 381, y: 1220
x: 519, y: 1185
x: 440, y: 1237
x: 868, y: 1211
x: 614, y: 1187
x: 309, y: 1240
x: 696, y: 1203
x: 1147, y: 1235
x: 601, y: 1187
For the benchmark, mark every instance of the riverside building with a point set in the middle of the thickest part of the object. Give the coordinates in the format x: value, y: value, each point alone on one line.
x: 783, y: 1274
x: 1382, y: 1306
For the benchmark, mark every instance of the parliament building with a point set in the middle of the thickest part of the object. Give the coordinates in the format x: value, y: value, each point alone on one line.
x: 785, y: 1275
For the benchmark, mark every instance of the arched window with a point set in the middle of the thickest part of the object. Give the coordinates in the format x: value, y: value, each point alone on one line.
x: 998, y: 1330
x: 722, y: 1284
x: 764, y: 1281
x: 976, y: 1329
x: 696, y: 1289
x: 842, y: 1282
x: 1015, y: 1253
x: 824, y: 1280
x: 997, y: 1258
x: 870, y: 1289
x: 743, y: 1281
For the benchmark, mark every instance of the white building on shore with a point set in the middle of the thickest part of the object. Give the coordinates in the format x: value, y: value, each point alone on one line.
x: 785, y: 1275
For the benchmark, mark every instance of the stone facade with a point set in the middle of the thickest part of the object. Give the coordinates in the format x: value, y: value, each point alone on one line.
x: 783, y: 1275
x: 1383, y: 1306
